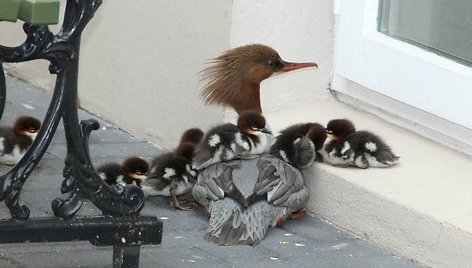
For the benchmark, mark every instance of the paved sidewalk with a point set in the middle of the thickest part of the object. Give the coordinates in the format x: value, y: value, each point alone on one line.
x: 306, y: 242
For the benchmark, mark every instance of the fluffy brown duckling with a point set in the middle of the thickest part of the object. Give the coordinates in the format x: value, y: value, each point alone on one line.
x: 171, y: 174
x: 300, y: 144
x: 228, y: 141
x: 15, y: 141
x: 349, y: 147
x: 132, y: 171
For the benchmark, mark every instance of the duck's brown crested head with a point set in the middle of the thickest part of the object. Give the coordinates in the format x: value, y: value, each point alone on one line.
x: 234, y: 78
x: 27, y: 126
x: 340, y: 128
x: 135, y: 167
x: 252, y: 123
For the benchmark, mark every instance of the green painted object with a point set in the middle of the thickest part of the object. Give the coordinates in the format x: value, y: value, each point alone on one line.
x: 39, y: 11
x: 9, y: 9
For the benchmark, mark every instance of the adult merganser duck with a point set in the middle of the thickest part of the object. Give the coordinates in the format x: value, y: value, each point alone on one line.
x: 234, y: 78
x: 15, y: 141
x: 299, y: 144
x: 245, y: 197
x: 131, y: 171
x: 171, y: 174
x: 228, y: 141
x: 349, y: 147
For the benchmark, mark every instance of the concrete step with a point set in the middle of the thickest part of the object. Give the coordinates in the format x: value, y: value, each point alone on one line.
x: 420, y: 208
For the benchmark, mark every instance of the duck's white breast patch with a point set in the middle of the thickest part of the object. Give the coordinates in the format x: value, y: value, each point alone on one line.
x: 169, y: 172
x: 150, y: 191
x: 284, y: 156
x: 358, y: 162
x: 261, y: 147
x: 332, y: 159
x: 189, y: 169
x: 214, y: 140
x: 153, y: 170
x: 238, y: 138
x: 119, y: 180
x: 374, y: 162
x: 2, y: 144
x: 228, y: 155
x: 13, y: 157
x: 370, y: 146
x: 346, y: 147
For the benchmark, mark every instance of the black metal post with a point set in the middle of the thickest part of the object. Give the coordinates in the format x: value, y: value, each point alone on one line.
x: 125, y: 256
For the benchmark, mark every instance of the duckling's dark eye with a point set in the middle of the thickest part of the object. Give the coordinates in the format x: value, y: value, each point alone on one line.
x: 271, y: 63
x: 31, y: 129
x: 139, y: 173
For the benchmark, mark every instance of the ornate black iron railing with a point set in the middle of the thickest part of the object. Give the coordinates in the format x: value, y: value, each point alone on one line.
x: 120, y: 205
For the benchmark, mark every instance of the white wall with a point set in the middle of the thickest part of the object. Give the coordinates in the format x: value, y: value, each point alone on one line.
x: 140, y: 64
x: 300, y: 31
x: 140, y: 60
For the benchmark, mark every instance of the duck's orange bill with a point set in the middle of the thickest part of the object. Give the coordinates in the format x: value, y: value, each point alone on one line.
x: 291, y: 66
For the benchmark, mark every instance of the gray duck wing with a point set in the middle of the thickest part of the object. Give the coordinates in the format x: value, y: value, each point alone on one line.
x: 213, y: 183
x: 283, y: 184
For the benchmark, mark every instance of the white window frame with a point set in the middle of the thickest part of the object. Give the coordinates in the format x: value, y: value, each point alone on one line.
x: 393, y: 68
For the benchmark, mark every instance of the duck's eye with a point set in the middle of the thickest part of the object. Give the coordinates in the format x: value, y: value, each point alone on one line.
x: 254, y: 128
x: 271, y: 63
x: 31, y: 129
x: 139, y: 173
x: 329, y: 131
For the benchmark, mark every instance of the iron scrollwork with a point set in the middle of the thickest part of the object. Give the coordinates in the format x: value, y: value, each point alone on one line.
x: 81, y: 179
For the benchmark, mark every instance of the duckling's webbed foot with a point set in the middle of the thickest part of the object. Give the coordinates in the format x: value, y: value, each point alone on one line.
x: 298, y: 214
x: 175, y: 201
x: 185, y: 198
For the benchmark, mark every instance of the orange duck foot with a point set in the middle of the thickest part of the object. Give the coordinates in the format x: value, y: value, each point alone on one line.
x: 298, y: 214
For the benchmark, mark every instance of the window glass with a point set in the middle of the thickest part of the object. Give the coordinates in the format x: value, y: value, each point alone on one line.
x: 441, y: 26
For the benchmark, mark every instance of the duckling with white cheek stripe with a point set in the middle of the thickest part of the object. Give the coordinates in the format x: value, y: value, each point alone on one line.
x: 15, y: 141
x: 226, y: 142
x: 349, y: 147
x: 171, y: 174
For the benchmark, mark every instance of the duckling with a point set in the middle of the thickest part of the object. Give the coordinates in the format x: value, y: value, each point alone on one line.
x: 15, y: 141
x: 349, y: 147
x: 188, y: 143
x: 192, y: 135
x: 171, y: 174
x: 300, y: 144
x: 131, y: 171
x: 228, y: 141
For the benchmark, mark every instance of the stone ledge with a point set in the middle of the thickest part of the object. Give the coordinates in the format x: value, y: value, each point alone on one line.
x: 421, y: 208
